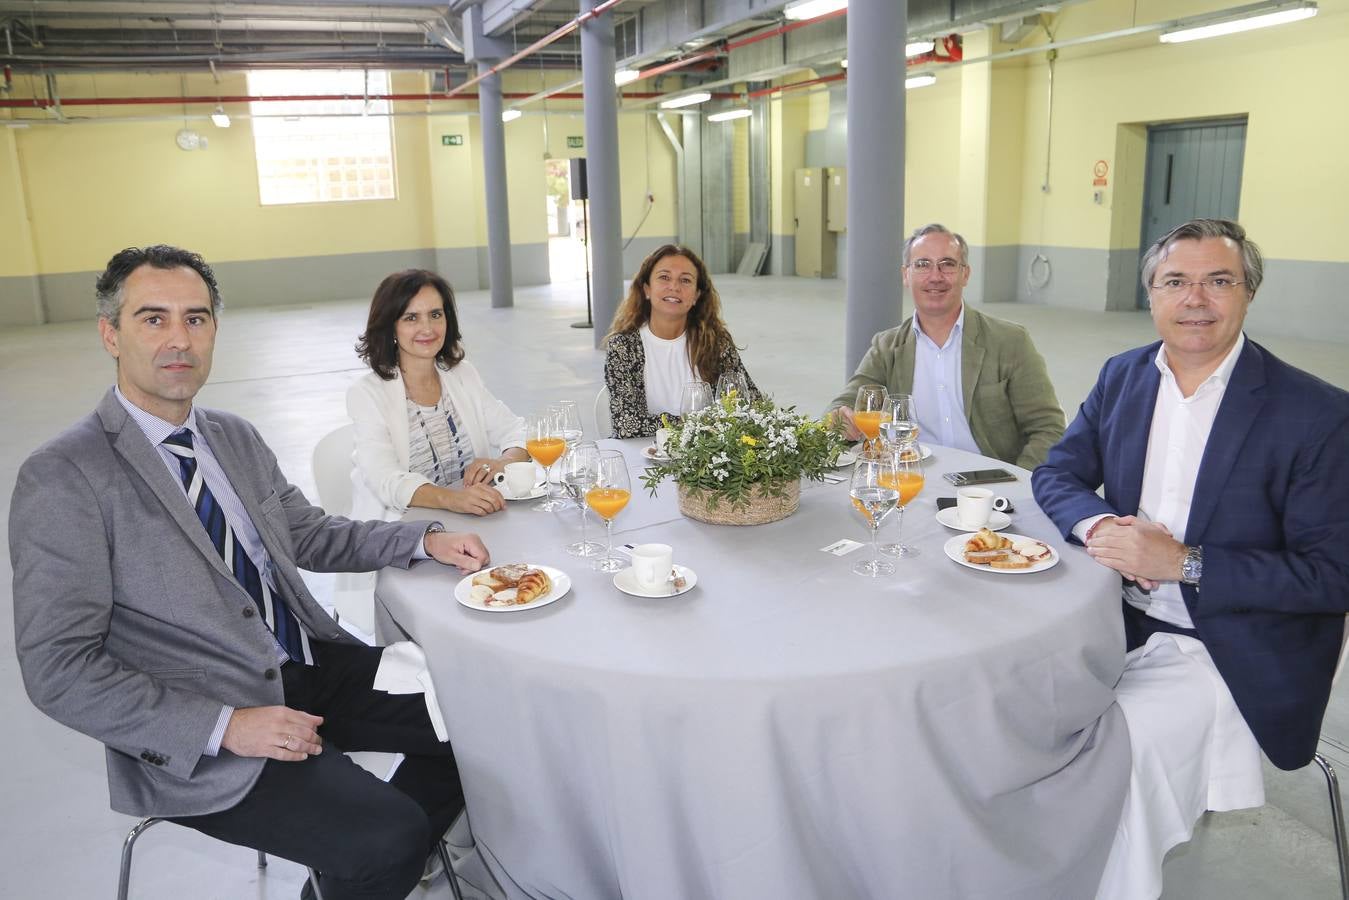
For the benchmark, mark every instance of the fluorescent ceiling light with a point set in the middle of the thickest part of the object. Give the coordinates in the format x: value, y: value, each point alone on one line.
x: 729, y: 114
x: 686, y: 100
x: 809, y: 9
x: 844, y: 62
x: 219, y: 119
x: 625, y: 76
x: 510, y: 115
x: 922, y: 79
x: 1273, y: 14
x: 918, y: 48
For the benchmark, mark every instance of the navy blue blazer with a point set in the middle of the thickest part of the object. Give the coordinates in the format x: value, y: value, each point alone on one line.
x: 1271, y: 509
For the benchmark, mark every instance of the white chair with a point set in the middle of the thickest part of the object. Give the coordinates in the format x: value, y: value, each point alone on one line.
x: 1333, y: 783
x: 604, y: 425
x: 353, y: 595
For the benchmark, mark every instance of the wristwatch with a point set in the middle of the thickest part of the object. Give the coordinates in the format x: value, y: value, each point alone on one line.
x: 434, y: 528
x: 1192, y: 567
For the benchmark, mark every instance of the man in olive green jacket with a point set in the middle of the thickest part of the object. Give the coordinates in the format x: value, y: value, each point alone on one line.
x: 978, y: 382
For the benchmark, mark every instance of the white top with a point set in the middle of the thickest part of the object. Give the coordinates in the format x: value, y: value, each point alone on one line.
x: 938, y: 398
x: 1176, y: 443
x: 382, y: 478
x: 667, y: 371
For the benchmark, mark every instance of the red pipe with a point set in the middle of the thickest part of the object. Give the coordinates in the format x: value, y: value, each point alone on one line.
x: 41, y: 103
x: 838, y: 76
x: 542, y: 42
x: 783, y: 29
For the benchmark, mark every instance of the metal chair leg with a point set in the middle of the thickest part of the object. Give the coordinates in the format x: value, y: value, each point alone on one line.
x: 449, y: 869
x: 314, y: 882
x: 1336, y: 822
x: 124, y: 878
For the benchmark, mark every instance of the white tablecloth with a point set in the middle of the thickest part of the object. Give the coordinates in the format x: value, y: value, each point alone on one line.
x: 786, y: 729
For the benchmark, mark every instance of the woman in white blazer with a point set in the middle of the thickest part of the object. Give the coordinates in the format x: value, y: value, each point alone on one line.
x: 428, y: 432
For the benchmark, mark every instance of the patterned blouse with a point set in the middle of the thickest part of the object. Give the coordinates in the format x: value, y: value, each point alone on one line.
x: 625, y: 376
x: 437, y: 447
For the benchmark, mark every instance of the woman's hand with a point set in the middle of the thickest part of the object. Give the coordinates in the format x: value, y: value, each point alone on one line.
x: 474, y: 499
x: 482, y: 471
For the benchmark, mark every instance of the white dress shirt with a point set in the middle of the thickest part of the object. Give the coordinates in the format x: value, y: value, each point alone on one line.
x: 937, y: 391
x: 1176, y: 443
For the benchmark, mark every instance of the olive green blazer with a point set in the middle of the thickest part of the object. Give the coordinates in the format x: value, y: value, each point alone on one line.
x: 1013, y: 412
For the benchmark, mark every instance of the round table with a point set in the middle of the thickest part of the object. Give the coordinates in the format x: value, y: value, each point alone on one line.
x: 785, y: 729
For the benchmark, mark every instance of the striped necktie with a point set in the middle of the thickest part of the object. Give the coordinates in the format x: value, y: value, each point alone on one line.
x: 273, y: 607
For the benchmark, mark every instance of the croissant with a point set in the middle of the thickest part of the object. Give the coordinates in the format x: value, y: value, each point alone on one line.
x: 531, y: 586
x: 987, y: 540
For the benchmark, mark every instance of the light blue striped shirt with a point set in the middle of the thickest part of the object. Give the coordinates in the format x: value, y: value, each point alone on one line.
x: 938, y: 397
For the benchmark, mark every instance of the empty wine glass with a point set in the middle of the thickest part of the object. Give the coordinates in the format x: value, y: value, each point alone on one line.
x: 544, y: 442
x: 908, y: 479
x: 571, y: 421
x: 869, y: 410
x: 874, y: 497
x: 580, y: 471
x: 696, y: 395
x: 733, y: 385
x: 607, y: 496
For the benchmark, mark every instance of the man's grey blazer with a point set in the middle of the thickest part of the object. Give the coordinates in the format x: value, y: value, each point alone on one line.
x: 127, y: 623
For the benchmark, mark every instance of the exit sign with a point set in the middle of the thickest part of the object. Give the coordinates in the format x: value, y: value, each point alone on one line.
x: 451, y: 140
x: 574, y: 142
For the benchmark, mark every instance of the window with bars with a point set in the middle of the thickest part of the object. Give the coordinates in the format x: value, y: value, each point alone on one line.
x: 317, y: 151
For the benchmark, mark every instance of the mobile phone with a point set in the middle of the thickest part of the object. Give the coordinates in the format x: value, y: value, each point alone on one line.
x: 979, y: 476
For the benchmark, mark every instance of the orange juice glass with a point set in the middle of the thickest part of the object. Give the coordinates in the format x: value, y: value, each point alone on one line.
x: 607, y: 501
x: 545, y: 450
x: 908, y: 479
x: 608, y: 497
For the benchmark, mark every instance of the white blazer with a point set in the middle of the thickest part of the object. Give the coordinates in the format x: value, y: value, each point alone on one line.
x: 382, y: 486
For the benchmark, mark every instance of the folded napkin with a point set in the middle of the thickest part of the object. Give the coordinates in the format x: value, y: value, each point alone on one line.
x: 402, y: 670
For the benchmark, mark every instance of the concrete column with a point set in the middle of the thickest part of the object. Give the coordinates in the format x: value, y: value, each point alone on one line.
x: 494, y: 183
x: 601, y: 126
x: 875, y: 173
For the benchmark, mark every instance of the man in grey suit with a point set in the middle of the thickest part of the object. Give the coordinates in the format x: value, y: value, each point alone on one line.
x: 978, y: 383
x: 158, y: 608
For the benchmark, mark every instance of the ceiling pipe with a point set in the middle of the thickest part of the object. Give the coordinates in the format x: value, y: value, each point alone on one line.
x: 796, y: 85
x: 40, y: 103
x: 542, y: 42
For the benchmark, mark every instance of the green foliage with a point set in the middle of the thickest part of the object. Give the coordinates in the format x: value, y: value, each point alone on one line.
x: 727, y: 447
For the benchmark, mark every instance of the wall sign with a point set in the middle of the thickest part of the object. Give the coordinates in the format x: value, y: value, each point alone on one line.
x: 451, y: 140
x: 1100, y: 171
x: 575, y: 142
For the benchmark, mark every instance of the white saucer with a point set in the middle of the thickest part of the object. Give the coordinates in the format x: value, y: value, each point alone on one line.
x: 997, y: 521
x: 651, y: 453
x: 626, y: 581
x: 849, y: 456
x: 539, y: 491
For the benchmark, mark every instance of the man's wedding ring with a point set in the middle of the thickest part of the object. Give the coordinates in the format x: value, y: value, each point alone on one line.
x: 286, y: 744
x: 486, y: 467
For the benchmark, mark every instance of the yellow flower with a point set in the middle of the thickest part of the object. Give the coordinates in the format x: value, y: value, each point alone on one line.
x: 748, y: 440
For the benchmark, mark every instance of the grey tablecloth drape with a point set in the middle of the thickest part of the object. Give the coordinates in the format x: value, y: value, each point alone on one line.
x: 786, y: 729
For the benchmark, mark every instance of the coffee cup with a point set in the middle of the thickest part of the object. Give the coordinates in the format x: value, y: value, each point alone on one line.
x: 973, y: 507
x: 520, y: 478
x: 662, y: 439
x: 652, y: 565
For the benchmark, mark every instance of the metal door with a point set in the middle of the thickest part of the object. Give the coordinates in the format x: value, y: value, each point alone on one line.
x: 1193, y: 171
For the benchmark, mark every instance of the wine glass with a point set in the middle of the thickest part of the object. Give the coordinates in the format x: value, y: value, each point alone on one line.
x: 696, y: 395
x: 902, y: 427
x: 544, y: 442
x: 580, y: 471
x: 908, y: 479
x: 874, y: 497
x: 733, y: 385
x: 869, y: 411
x: 572, y: 431
x: 609, y: 494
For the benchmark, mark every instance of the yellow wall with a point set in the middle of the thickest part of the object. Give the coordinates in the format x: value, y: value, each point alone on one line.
x: 1288, y: 80
x: 789, y: 119
x: 93, y: 187
x: 16, y: 250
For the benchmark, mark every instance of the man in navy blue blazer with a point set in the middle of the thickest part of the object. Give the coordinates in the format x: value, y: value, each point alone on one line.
x: 1225, y: 510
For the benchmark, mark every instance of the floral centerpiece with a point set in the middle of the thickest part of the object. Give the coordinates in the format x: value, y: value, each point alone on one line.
x: 742, y: 464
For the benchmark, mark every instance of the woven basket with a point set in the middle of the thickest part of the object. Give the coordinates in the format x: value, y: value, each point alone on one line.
x: 758, y: 510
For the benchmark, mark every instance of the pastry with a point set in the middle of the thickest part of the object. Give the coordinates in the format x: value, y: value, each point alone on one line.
x: 532, y: 585
x: 1010, y: 561
x: 987, y: 540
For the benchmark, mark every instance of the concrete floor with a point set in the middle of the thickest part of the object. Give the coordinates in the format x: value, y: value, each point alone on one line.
x: 287, y: 370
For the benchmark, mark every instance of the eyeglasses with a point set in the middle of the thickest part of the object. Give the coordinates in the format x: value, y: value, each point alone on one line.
x: 1214, y: 287
x: 945, y: 266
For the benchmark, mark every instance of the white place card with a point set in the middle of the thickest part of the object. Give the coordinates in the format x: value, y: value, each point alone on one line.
x: 841, y: 547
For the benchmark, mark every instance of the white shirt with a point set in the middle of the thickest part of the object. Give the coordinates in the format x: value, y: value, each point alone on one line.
x: 1176, y: 443
x: 667, y: 371
x: 937, y: 395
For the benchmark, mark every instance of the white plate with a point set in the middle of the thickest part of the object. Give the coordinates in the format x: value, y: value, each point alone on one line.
x: 849, y: 456
x: 539, y: 491
x: 955, y: 551
x: 561, y: 585
x: 997, y: 521
x: 651, y: 453
x: 626, y: 581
